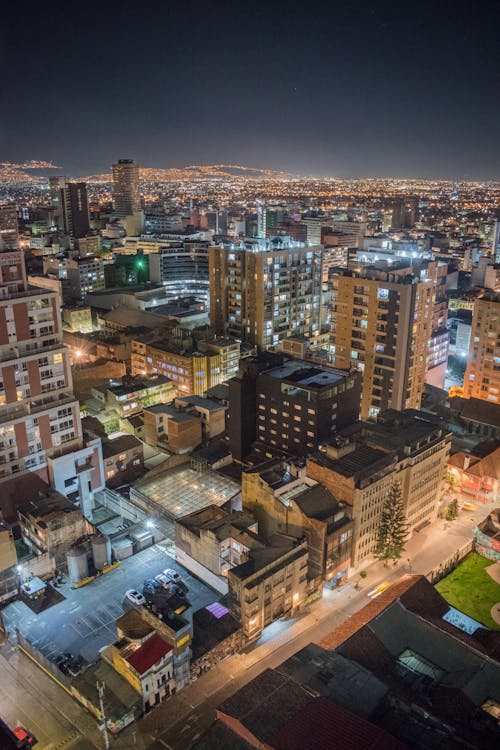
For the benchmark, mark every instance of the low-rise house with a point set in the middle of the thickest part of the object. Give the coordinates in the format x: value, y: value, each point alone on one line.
x: 272, y: 583
x: 217, y: 634
x: 487, y: 536
x: 133, y: 425
x: 212, y: 414
x: 172, y: 428
x: 147, y: 664
x: 478, y: 476
x: 51, y: 523
x: 134, y: 396
x: 122, y: 703
x: 123, y: 459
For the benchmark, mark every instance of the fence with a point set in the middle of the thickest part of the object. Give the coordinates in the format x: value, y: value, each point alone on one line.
x: 47, y: 666
x: 446, y: 566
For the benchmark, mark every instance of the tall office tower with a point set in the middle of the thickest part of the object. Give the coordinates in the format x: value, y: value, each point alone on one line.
x: 265, y: 292
x: 482, y: 376
x: 314, y: 226
x: 261, y: 222
x: 404, y: 213
x: 75, y: 209
x: 39, y: 415
x: 9, y: 231
x: 56, y: 184
x: 382, y: 322
x: 126, y: 195
x: 495, y: 246
x: 437, y: 358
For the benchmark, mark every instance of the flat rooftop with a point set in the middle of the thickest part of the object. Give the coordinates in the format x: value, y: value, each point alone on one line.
x: 183, y: 490
x: 303, y: 374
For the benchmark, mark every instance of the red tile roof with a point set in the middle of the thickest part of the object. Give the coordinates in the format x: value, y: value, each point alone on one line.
x: 323, y: 725
x: 151, y: 651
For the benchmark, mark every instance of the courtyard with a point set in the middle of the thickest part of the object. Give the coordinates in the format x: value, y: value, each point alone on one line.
x: 470, y: 589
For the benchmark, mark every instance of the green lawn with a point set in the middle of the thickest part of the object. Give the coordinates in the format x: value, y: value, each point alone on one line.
x: 470, y: 589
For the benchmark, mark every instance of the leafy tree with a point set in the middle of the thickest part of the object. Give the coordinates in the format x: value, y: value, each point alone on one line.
x: 451, y: 510
x: 393, y: 529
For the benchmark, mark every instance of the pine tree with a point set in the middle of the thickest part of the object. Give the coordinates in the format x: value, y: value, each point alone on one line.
x: 393, y: 530
x: 452, y: 510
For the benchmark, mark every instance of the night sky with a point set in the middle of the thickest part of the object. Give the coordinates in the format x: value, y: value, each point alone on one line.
x: 355, y: 89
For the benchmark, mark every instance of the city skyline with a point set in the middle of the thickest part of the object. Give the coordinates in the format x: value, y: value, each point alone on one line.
x: 344, y: 92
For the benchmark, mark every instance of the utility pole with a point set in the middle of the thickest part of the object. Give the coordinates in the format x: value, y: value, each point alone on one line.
x: 103, y: 727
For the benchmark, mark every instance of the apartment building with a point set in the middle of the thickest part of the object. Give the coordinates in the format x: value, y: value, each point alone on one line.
x: 39, y: 415
x: 284, y: 500
x: 405, y: 447
x: 269, y: 585
x: 133, y: 395
x: 172, y: 428
x: 192, y: 371
x: 482, y: 376
x: 265, y: 291
x: 382, y: 323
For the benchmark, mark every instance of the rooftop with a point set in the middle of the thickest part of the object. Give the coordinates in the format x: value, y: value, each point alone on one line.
x: 211, y: 625
x: 304, y: 375
x: 120, y: 444
x: 363, y: 463
x: 183, y: 490
x: 215, y: 519
x: 133, y: 626
x: 126, y: 389
x: 203, y: 403
x: 150, y: 653
x: 261, y: 557
x: 48, y: 503
x: 120, y: 698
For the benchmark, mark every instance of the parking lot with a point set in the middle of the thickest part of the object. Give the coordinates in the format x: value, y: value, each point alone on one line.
x: 84, y: 622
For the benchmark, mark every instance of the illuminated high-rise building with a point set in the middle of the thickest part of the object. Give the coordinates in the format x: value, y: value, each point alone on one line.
x: 9, y: 232
x: 482, y: 376
x: 382, y: 323
x: 265, y: 292
x: 126, y: 195
x: 39, y: 415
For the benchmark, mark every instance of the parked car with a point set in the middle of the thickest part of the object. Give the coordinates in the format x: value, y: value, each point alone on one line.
x: 163, y: 580
x: 172, y: 575
x: 135, y: 597
x: 468, y: 506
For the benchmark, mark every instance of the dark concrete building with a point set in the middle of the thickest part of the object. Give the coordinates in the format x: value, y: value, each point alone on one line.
x: 75, y: 209
x: 300, y: 405
x: 242, y: 402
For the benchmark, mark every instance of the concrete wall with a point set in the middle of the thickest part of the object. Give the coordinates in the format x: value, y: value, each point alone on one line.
x: 219, y: 583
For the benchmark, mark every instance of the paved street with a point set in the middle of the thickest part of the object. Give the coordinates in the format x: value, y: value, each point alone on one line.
x: 177, y: 723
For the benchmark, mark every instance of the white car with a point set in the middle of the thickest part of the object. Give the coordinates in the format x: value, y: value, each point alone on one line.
x: 163, y: 580
x: 135, y: 597
x: 172, y: 575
